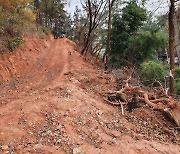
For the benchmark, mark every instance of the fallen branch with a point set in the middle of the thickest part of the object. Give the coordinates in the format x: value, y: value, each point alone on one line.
x: 122, y: 108
x: 161, y: 88
x: 154, y: 106
x: 161, y: 100
x: 112, y: 103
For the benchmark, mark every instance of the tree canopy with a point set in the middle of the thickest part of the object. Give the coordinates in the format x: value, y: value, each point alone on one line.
x: 134, y: 38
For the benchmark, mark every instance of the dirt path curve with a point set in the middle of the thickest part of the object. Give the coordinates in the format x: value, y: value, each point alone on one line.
x: 56, y: 106
x: 50, y: 65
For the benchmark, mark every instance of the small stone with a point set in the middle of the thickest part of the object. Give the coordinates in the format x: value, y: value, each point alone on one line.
x: 69, y: 91
x: 49, y: 132
x: 78, y: 151
x: 38, y: 146
x: 4, y: 147
x: 58, y: 141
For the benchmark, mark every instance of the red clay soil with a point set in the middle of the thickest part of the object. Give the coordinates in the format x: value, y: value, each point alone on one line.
x: 51, y: 102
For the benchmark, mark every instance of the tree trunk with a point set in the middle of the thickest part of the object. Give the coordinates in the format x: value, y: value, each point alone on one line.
x: 90, y: 29
x: 86, y: 44
x: 171, y: 44
x: 106, y: 56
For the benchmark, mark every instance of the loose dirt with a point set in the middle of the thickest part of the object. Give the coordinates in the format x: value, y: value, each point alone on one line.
x: 51, y: 102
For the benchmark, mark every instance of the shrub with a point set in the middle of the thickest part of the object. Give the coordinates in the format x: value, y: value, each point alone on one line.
x: 46, y: 30
x: 14, y: 42
x: 12, y: 25
x: 177, y: 71
x: 177, y: 86
x: 151, y: 70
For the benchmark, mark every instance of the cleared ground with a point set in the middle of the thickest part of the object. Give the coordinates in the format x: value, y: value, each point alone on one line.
x: 51, y: 102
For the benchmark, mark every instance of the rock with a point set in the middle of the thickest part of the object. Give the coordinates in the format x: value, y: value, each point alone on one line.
x: 4, y: 147
x: 69, y: 91
x: 48, y: 132
x: 38, y: 146
x: 78, y: 151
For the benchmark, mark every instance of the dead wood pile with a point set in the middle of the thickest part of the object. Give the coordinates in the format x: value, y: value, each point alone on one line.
x: 157, y: 98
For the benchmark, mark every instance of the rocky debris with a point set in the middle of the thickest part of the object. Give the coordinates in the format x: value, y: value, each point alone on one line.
x: 54, y: 134
x: 153, y: 126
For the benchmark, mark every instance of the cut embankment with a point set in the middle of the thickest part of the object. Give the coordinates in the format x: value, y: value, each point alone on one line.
x: 15, y: 64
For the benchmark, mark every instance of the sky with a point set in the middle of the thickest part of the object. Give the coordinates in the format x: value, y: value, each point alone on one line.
x: 72, y: 4
x: 152, y: 5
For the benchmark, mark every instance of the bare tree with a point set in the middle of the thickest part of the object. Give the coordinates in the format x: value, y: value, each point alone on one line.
x: 171, y: 44
x: 110, y: 4
x: 95, y: 12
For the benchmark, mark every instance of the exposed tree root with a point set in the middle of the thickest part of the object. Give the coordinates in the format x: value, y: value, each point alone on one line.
x: 157, y: 98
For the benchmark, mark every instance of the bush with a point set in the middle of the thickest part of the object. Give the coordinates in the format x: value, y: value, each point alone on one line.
x: 177, y: 72
x: 46, y: 30
x: 14, y: 42
x: 177, y: 86
x: 12, y: 24
x: 151, y: 70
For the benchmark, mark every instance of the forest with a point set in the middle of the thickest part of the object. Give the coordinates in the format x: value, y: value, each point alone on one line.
x: 78, y: 78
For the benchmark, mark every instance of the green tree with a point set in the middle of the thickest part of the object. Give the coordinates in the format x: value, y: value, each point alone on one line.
x: 77, y: 24
x: 125, y: 25
x: 51, y: 14
x: 134, y: 39
x: 145, y: 45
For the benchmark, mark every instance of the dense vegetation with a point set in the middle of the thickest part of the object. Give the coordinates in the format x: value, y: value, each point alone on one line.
x: 14, y: 18
x: 135, y: 38
x: 51, y: 14
x: 156, y: 70
x: 31, y: 16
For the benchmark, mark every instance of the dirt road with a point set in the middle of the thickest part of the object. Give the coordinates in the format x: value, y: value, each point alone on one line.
x: 51, y: 102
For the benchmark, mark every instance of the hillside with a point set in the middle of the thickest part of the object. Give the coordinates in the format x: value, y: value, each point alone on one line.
x: 51, y: 102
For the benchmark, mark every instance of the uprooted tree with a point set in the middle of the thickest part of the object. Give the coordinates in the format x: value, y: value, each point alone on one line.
x: 157, y: 97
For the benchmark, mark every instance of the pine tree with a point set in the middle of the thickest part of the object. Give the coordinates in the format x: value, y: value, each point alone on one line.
x: 51, y: 14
